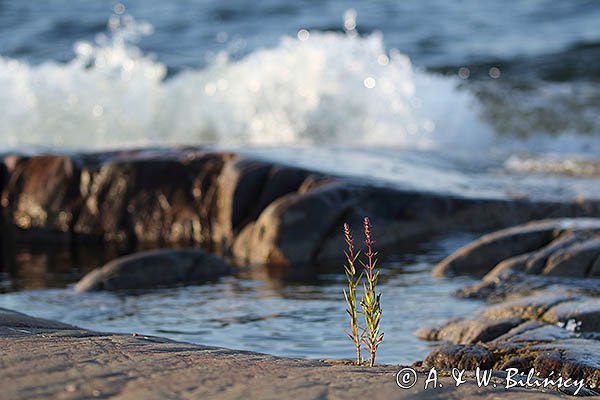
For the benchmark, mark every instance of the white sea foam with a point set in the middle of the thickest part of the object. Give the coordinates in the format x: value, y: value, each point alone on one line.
x: 329, y: 88
x: 317, y: 88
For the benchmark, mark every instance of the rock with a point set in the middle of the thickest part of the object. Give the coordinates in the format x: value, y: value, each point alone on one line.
x: 571, y: 263
x: 45, y: 362
x: 595, y: 269
x: 537, y: 260
x: 522, y: 363
x: 534, y: 262
x: 244, y: 189
x: 146, y: 199
x: 529, y: 332
x: 3, y: 175
x: 41, y: 195
x: 238, y: 188
x: 509, y: 266
x: 534, y: 344
x: 554, y: 328
x: 290, y: 231
x: 529, y: 307
x: 585, y: 311
x: 575, y: 358
x: 304, y: 228
x: 575, y: 260
x: 506, y: 285
x: 510, y: 320
x: 23, y: 323
x: 481, y: 256
x: 514, y: 285
x: 154, y: 269
x: 470, y: 331
x: 232, y: 204
x: 204, y: 190
x: 467, y: 357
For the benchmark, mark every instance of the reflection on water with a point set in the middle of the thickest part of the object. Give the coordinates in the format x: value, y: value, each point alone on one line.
x: 25, y: 266
x: 251, y: 311
x: 33, y: 267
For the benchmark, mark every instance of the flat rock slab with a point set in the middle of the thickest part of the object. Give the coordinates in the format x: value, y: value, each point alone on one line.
x: 53, y: 360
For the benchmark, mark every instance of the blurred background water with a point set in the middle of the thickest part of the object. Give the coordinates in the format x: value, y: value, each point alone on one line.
x: 492, y: 89
x: 488, y: 99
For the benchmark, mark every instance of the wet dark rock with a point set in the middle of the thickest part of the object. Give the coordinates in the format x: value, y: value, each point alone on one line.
x: 529, y: 332
x: 511, y: 319
x: 291, y: 230
x: 146, y: 200
x: 512, y: 285
x: 534, y: 344
x: 542, y: 277
x: 41, y: 194
x: 469, y: 331
x: 514, y: 247
x: 570, y: 262
x: 302, y: 228
x: 536, y: 261
x: 154, y: 269
x: 261, y: 212
x: 576, y: 358
x: 566, y: 253
x: 570, y: 358
x: 575, y: 260
x: 205, y: 190
x: 467, y: 357
x: 3, y: 175
x: 529, y: 307
x: 480, y: 256
x: 244, y: 189
x: 585, y: 312
x: 522, y: 363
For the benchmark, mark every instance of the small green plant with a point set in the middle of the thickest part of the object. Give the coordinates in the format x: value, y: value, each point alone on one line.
x: 356, y: 334
x: 370, y: 302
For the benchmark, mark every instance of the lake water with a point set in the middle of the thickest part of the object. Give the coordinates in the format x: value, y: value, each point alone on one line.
x: 487, y: 99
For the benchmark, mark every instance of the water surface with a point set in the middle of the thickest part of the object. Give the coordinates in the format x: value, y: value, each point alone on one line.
x: 254, y: 312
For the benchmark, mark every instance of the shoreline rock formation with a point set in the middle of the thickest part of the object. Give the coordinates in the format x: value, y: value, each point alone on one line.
x: 43, y: 359
x: 542, y: 285
x: 255, y: 211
